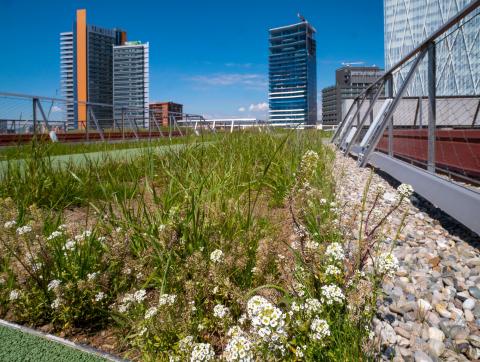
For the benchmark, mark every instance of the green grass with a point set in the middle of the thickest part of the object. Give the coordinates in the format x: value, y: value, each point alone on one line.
x: 17, y: 346
x: 155, y: 219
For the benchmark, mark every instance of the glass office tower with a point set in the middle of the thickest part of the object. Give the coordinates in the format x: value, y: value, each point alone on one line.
x: 409, y: 22
x: 293, y: 74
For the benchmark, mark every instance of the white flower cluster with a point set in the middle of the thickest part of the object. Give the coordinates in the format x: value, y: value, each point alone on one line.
x: 54, y: 284
x: 185, y: 344
x: 92, y: 276
x: 128, y: 299
x: 309, y: 162
x: 9, y: 224
x: 24, y: 229
x: 167, y: 299
x: 335, y: 252
x: 69, y: 245
x: 54, y: 235
x: 14, y: 295
x: 311, y: 244
x: 216, y: 256
x: 332, y: 294
x: 151, y: 312
x: 202, y: 352
x: 267, y: 320
x: 56, y: 303
x: 332, y: 270
x: 319, y: 329
x: 99, y: 296
x: 312, y: 306
x: 300, y: 352
x: 85, y: 235
x: 387, y: 264
x: 220, y: 311
x: 239, y: 348
x: 405, y: 190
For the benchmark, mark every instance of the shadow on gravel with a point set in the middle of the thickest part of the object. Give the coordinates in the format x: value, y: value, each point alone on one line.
x: 454, y: 228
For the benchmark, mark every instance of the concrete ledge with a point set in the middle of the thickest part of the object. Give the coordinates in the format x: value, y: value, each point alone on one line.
x: 459, y: 202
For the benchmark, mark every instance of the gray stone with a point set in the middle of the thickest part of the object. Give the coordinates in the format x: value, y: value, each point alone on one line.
x: 469, y: 317
x: 468, y: 304
x: 388, y: 335
x: 435, y: 333
x: 473, y: 353
x: 420, y: 356
x: 475, y: 292
x: 436, y: 348
x: 474, y: 340
x: 442, y: 310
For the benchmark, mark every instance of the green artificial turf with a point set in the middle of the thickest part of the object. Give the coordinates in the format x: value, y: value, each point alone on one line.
x: 16, y: 345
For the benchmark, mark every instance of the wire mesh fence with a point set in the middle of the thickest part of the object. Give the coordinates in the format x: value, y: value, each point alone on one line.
x: 426, y: 110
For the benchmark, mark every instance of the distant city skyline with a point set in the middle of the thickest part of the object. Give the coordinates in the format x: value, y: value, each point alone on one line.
x: 211, y: 57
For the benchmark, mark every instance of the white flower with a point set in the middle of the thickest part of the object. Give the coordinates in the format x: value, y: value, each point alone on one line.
x: 405, y: 190
x: 239, y: 348
x: 312, y: 306
x: 69, y: 245
x: 319, y: 329
x: 216, y: 256
x: 54, y: 235
x: 14, y: 295
x: 332, y: 294
x: 86, y: 234
x: 387, y: 264
x: 185, y: 344
x: 24, y: 229
x: 92, y: 276
x: 323, y: 201
x: 118, y: 229
x: 299, y: 352
x: 102, y: 239
x: 9, y: 224
x: 54, y: 284
x: 140, y: 295
x: 99, y: 296
x: 2, y: 280
x: 56, y: 303
x: 167, y: 299
x: 311, y: 244
x: 62, y: 227
x: 151, y: 312
x: 335, y: 252
x: 142, y: 331
x: 220, y: 311
x: 267, y: 320
x: 202, y: 352
x: 332, y: 270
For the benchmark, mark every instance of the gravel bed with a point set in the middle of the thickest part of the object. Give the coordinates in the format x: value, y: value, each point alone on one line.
x: 430, y: 310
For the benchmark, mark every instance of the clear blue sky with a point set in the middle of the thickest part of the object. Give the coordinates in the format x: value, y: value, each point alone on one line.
x: 210, y: 55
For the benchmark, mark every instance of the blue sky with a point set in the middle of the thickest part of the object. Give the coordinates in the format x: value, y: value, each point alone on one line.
x: 210, y: 55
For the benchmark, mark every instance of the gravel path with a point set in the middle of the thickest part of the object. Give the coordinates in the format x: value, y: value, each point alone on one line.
x: 430, y: 310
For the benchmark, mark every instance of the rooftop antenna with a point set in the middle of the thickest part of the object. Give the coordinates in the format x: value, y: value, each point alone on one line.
x: 301, y: 18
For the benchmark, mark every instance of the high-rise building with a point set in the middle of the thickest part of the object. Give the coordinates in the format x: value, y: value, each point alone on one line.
x: 86, y: 58
x: 164, y: 112
x: 131, y: 82
x: 409, y: 22
x: 350, y: 81
x: 293, y: 74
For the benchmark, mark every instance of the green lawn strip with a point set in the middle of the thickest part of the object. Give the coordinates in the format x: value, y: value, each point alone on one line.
x: 17, y: 345
x: 81, y: 159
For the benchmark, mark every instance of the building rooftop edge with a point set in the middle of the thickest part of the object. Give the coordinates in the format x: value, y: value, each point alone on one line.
x: 292, y: 25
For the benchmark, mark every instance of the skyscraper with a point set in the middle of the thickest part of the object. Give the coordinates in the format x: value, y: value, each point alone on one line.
x: 131, y: 82
x: 409, y: 22
x: 350, y: 81
x: 293, y: 74
x: 86, y: 61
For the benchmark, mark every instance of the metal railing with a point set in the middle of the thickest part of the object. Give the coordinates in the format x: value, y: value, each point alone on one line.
x: 428, y: 138
x: 25, y: 116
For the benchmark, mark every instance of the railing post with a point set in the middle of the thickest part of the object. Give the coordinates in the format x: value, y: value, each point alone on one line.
x: 390, y: 123
x: 123, y: 123
x: 432, y: 109
x: 34, y: 116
